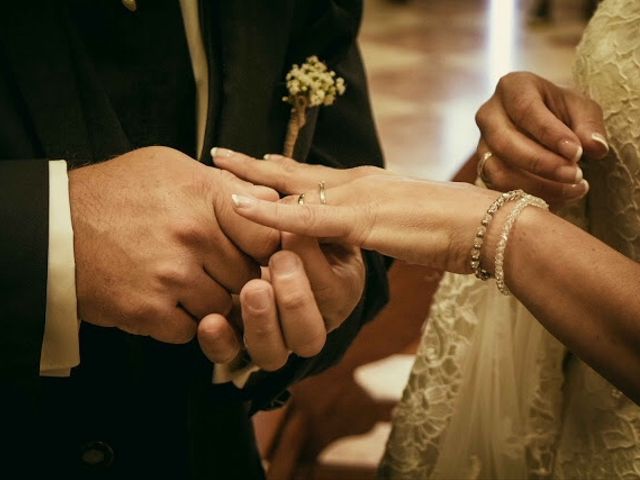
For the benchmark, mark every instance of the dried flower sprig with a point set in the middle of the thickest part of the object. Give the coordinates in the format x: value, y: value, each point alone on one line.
x: 310, y: 85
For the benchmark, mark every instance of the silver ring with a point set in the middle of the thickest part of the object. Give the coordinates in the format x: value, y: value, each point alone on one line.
x: 480, y: 168
x: 323, y: 195
x: 301, y: 199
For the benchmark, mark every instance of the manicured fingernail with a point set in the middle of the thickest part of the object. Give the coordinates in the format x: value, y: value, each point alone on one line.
x: 257, y: 299
x: 569, y: 174
x: 570, y: 150
x: 221, y: 152
x: 578, y: 190
x: 601, y: 140
x: 579, y: 175
x: 242, y: 201
x: 284, y: 264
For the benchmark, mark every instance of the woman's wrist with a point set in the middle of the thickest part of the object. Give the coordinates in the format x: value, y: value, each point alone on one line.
x: 492, y: 237
x: 522, y: 237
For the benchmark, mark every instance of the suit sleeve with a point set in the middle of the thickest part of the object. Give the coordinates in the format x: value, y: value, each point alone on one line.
x: 24, y: 211
x: 344, y: 136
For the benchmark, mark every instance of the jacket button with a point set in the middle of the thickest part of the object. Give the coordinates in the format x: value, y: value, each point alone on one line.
x: 97, y: 454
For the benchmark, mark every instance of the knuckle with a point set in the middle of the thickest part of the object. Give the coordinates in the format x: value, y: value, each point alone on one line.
x: 308, y: 216
x: 188, y: 231
x: 310, y: 348
x: 546, y: 133
x: 273, y: 364
x: 498, y: 144
x: 266, y: 245
x: 171, y: 274
x: 214, y: 332
x: 361, y: 231
x: 294, y: 300
x: 286, y: 164
x: 261, y: 332
x: 287, y: 168
x: 366, y: 170
x: 512, y: 78
x: 142, y: 315
x: 482, y: 115
x: 523, y: 107
x: 217, y: 343
x: 535, y: 165
x: 181, y: 334
x: 500, y: 177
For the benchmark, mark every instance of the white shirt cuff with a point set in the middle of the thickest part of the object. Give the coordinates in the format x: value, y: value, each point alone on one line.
x: 60, y: 344
x: 231, y: 372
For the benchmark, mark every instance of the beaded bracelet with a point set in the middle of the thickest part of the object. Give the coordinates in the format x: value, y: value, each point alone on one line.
x: 525, y: 201
x: 480, y: 272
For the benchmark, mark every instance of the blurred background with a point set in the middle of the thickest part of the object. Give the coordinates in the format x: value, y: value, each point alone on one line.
x: 431, y: 64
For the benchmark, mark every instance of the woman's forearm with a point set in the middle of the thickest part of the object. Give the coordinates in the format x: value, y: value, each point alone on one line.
x: 584, y: 292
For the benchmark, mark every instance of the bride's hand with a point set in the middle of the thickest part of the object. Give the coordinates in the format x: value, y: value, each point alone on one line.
x: 424, y: 222
x: 537, y: 133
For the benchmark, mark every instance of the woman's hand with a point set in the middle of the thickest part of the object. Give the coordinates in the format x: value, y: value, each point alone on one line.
x: 430, y: 223
x: 537, y: 133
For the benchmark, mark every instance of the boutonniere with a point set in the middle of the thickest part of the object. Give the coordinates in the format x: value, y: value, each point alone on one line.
x: 310, y: 85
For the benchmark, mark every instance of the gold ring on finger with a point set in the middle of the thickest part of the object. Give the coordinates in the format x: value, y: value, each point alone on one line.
x: 482, y: 174
x: 301, y: 199
x: 322, y: 193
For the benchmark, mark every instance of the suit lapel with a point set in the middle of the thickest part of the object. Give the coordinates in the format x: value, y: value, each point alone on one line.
x: 250, y: 40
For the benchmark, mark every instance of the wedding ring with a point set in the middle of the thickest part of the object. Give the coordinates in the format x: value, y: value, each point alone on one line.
x: 481, y: 165
x: 323, y: 196
x: 301, y: 199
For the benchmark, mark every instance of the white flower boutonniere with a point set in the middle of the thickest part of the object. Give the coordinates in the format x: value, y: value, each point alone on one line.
x: 310, y: 85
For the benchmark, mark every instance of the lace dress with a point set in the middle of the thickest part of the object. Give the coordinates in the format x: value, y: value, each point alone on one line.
x: 492, y: 394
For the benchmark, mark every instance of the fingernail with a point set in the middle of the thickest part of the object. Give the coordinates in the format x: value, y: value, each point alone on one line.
x: 570, y: 150
x: 258, y: 299
x: 243, y: 201
x: 569, y: 174
x: 578, y: 190
x: 284, y: 264
x: 601, y: 140
x: 266, y: 156
x: 221, y: 152
x: 579, y: 175
x: 585, y: 186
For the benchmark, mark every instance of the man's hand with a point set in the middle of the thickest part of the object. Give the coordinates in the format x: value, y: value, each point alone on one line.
x: 308, y: 290
x: 157, y: 244
x: 538, y: 132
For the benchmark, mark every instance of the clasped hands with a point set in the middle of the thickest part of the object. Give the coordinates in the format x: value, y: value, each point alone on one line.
x: 161, y: 248
x: 161, y: 252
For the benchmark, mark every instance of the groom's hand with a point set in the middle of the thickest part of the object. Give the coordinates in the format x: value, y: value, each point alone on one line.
x: 308, y: 290
x: 157, y: 244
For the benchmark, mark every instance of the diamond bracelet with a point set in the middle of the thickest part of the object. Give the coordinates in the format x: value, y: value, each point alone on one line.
x: 524, y: 202
x: 478, y: 241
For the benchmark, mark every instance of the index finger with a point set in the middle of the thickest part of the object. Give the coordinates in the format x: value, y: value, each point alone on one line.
x: 281, y: 173
x: 307, y: 219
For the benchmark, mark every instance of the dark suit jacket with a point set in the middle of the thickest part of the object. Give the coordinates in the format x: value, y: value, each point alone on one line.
x: 149, y: 409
